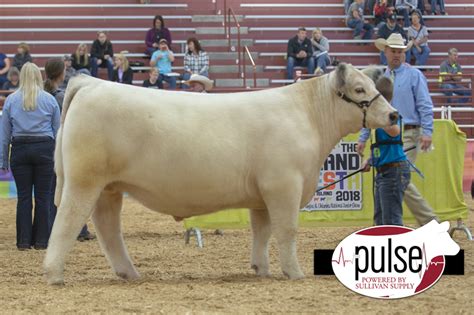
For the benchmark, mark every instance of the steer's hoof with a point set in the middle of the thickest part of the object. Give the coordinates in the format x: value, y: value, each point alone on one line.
x: 56, y: 282
x: 294, y: 275
x: 261, y: 272
x: 128, y: 276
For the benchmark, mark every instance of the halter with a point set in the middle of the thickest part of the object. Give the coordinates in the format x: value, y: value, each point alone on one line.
x: 364, y: 105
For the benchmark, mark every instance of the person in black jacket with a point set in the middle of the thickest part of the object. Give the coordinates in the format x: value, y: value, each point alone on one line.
x: 122, y: 71
x: 386, y: 30
x: 102, y: 55
x: 299, y: 53
x: 23, y: 56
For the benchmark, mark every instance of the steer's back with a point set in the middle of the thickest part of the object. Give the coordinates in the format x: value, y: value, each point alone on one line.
x: 181, y: 150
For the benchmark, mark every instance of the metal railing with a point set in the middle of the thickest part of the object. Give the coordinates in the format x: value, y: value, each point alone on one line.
x: 229, y: 13
x: 246, y: 52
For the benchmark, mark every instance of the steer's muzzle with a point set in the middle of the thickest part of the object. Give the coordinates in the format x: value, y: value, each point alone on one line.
x: 393, y: 116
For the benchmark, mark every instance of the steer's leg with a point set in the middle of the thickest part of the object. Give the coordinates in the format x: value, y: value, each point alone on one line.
x: 106, y: 218
x: 282, y: 197
x: 76, y: 206
x: 261, y: 231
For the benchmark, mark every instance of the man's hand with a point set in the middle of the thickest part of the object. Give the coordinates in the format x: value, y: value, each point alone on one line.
x: 106, y: 57
x: 99, y: 62
x: 425, y: 143
x: 155, y: 45
x: 360, y: 148
x: 365, y: 165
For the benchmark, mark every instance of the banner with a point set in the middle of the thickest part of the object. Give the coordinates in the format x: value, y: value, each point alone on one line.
x: 345, y: 195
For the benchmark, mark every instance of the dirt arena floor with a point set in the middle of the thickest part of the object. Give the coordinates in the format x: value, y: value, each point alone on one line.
x: 216, y: 279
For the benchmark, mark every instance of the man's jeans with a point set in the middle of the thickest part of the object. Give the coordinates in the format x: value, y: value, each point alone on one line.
x: 441, y: 6
x: 390, y: 186
x: 296, y: 62
x: 460, y: 90
x: 421, y: 58
x: 32, y: 166
x: 358, y: 25
x: 105, y: 64
x: 170, y: 80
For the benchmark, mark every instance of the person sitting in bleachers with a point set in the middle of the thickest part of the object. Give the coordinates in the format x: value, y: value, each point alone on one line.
x: 13, y: 82
x: 102, y: 54
x: 442, y: 10
x: 418, y: 36
x: 386, y: 30
x: 152, y: 82
x: 122, y: 71
x: 69, y: 72
x: 355, y: 20
x: 155, y: 34
x: 23, y: 56
x: 299, y: 53
x: 80, y: 59
x: 382, y: 10
x: 406, y: 8
x: 347, y: 4
x: 196, y: 60
x: 320, y: 51
x: 162, y: 59
x: 450, y: 76
x: 5, y: 65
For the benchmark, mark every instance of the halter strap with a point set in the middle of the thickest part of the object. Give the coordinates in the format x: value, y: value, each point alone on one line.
x: 364, y: 105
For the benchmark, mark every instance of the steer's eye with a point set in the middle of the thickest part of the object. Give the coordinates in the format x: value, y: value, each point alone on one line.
x: 360, y: 90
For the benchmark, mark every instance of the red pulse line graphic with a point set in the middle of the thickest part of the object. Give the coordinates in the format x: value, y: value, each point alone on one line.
x: 344, y: 261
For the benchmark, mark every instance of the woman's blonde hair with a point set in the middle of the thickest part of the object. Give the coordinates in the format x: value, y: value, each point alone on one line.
x: 124, y: 60
x: 86, y: 54
x: 24, y: 46
x: 31, y: 84
x: 317, y: 29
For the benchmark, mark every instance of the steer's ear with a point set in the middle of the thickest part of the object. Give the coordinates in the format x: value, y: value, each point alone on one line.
x: 341, y: 73
x: 385, y: 86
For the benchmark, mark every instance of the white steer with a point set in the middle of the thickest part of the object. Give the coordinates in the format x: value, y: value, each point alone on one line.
x: 187, y: 154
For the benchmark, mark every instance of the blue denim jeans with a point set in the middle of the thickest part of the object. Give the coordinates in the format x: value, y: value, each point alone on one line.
x: 322, y: 61
x: 32, y: 166
x: 358, y: 26
x: 421, y: 58
x: 105, y: 64
x: 461, y: 90
x: 295, y: 62
x: 390, y: 186
x: 170, y: 80
x: 441, y: 6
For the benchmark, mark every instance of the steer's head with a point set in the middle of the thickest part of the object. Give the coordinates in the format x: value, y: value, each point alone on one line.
x: 357, y: 93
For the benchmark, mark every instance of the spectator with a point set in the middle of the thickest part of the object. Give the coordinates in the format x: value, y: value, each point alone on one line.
x: 386, y: 30
x: 152, y: 82
x: 421, y: 7
x: 355, y: 20
x: 101, y: 55
x: 5, y: 65
x: 162, y: 59
x: 23, y: 56
x: 30, y: 121
x: 406, y: 8
x: 299, y: 53
x: 69, y: 71
x: 80, y: 59
x: 442, y: 10
x: 382, y: 10
x: 55, y: 70
x: 122, y: 71
x: 369, y: 6
x: 196, y: 60
x: 347, y: 4
x: 199, y: 83
x: 450, y: 76
x: 412, y: 99
x: 418, y: 36
x: 155, y: 34
x: 320, y: 51
x: 13, y: 82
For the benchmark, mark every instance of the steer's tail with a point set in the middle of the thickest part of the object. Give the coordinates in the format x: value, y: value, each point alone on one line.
x: 74, y: 86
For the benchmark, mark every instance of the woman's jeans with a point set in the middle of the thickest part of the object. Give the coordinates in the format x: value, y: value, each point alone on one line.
x: 390, y: 186
x: 105, y: 64
x: 441, y: 6
x: 420, y: 57
x: 32, y: 166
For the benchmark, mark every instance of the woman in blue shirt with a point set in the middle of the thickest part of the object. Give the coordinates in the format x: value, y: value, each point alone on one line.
x: 30, y: 121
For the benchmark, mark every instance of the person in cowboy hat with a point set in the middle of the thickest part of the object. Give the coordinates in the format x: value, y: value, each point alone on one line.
x: 386, y: 30
x: 412, y: 100
x: 199, y: 83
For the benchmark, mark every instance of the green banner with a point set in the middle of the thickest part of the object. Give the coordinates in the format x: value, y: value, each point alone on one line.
x: 441, y: 187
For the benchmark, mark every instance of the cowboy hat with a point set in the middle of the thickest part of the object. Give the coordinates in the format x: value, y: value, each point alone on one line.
x: 201, y: 79
x: 395, y: 40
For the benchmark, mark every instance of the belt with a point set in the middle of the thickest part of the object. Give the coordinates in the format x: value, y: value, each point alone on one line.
x: 31, y: 139
x: 408, y: 127
x: 387, y: 166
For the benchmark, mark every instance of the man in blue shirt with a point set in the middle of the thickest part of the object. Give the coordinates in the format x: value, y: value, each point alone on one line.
x: 393, y: 175
x: 162, y: 59
x: 412, y: 99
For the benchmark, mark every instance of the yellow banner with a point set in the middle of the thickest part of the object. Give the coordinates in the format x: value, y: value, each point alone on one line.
x: 442, y: 188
